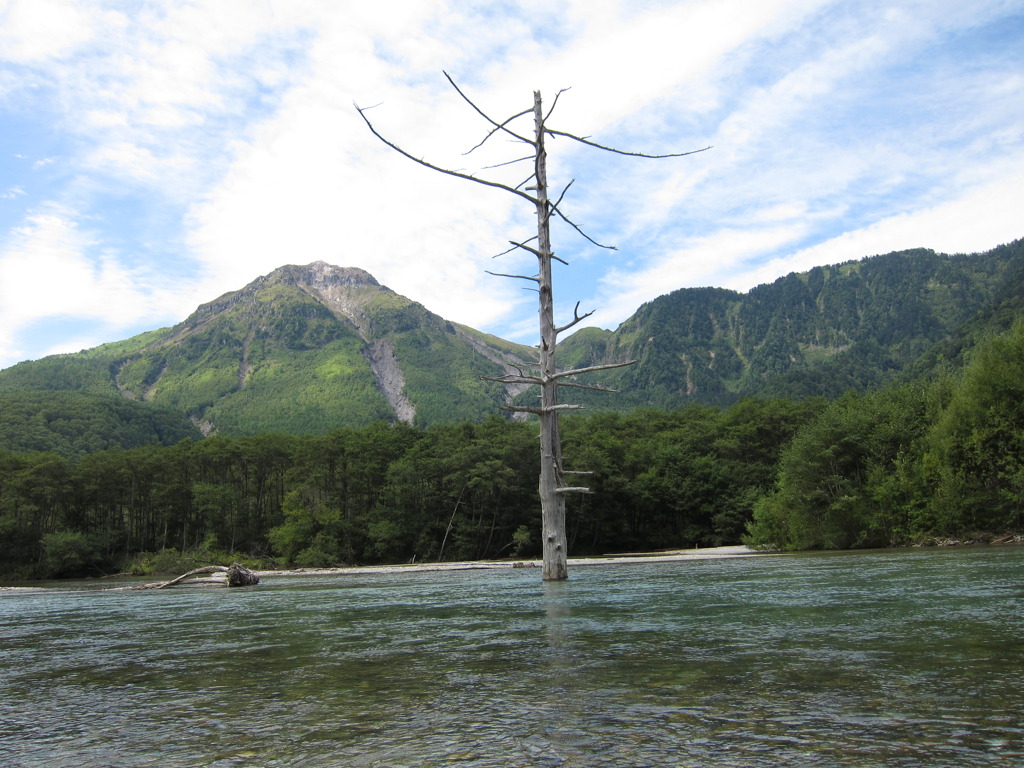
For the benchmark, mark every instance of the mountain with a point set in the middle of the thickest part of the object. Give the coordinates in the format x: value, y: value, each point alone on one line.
x: 310, y: 348
x: 856, y: 325
x: 301, y: 350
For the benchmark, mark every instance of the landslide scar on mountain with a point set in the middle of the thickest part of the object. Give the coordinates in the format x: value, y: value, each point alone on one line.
x: 345, y: 291
x: 380, y: 354
x: 245, y: 366
x: 121, y: 388
x: 511, y: 390
x: 148, y: 387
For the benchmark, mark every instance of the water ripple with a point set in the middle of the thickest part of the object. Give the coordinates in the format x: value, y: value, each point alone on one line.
x: 866, y: 659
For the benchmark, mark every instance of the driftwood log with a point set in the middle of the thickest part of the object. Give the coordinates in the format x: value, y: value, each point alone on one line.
x: 235, y: 575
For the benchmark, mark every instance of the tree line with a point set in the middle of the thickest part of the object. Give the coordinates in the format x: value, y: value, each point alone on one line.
x: 392, y: 493
x: 943, y: 457
x: 936, y: 458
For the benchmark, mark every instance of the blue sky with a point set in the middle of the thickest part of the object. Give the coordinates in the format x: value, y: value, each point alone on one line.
x: 155, y: 155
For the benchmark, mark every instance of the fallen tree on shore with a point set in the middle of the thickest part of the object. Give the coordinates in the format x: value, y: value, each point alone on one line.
x: 235, y: 575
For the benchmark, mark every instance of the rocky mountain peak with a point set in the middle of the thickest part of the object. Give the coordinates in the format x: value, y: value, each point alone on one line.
x: 323, y: 276
x: 345, y: 291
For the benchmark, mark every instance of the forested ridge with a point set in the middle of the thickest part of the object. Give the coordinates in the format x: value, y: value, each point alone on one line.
x: 856, y: 325
x: 306, y: 349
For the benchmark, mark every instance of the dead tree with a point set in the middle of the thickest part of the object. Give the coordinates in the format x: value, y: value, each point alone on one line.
x: 553, y: 486
x: 235, y: 575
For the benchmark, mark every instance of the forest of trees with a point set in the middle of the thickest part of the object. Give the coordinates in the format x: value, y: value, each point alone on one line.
x: 391, y: 493
x: 929, y: 459
x: 942, y: 457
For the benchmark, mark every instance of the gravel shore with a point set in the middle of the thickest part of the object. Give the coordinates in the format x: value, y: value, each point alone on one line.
x: 710, y: 553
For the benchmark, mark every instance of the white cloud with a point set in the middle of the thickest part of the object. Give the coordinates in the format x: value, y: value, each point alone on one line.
x: 311, y: 182
x: 225, y: 132
x: 316, y: 185
x: 700, y: 262
x: 48, y: 268
x: 981, y: 219
x: 134, y: 163
x: 37, y: 30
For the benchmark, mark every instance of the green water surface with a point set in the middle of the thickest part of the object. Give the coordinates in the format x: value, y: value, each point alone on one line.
x: 895, y: 658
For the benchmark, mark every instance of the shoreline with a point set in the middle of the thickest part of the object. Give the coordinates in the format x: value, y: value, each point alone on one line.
x: 678, y: 555
x: 665, y: 556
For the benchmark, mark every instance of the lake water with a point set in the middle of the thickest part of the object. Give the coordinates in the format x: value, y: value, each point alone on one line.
x: 896, y: 658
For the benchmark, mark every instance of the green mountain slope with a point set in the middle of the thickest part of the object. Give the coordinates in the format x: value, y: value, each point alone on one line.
x: 74, y: 424
x: 310, y: 348
x: 302, y: 350
x: 853, y: 325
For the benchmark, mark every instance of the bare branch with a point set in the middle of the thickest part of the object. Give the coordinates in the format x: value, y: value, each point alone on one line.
x: 575, y: 226
x: 506, y: 252
x: 590, y: 369
x: 591, y: 387
x: 510, y: 162
x: 534, y: 251
x: 535, y: 410
x: 581, y: 140
x: 540, y: 410
x: 555, y: 204
x: 493, y: 131
x: 525, y: 247
x: 520, y: 370
x: 524, y: 181
x: 554, y: 103
x: 497, y: 126
x: 438, y: 168
x: 569, y: 489
x: 575, y: 321
x: 521, y: 379
x: 577, y: 318
x: 517, y: 277
x: 561, y: 407
x: 528, y: 378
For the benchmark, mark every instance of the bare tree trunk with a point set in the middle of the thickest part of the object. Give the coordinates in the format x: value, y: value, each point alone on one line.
x: 551, y: 501
x: 546, y: 375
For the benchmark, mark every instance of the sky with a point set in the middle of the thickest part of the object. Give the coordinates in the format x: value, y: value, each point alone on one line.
x: 155, y: 155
